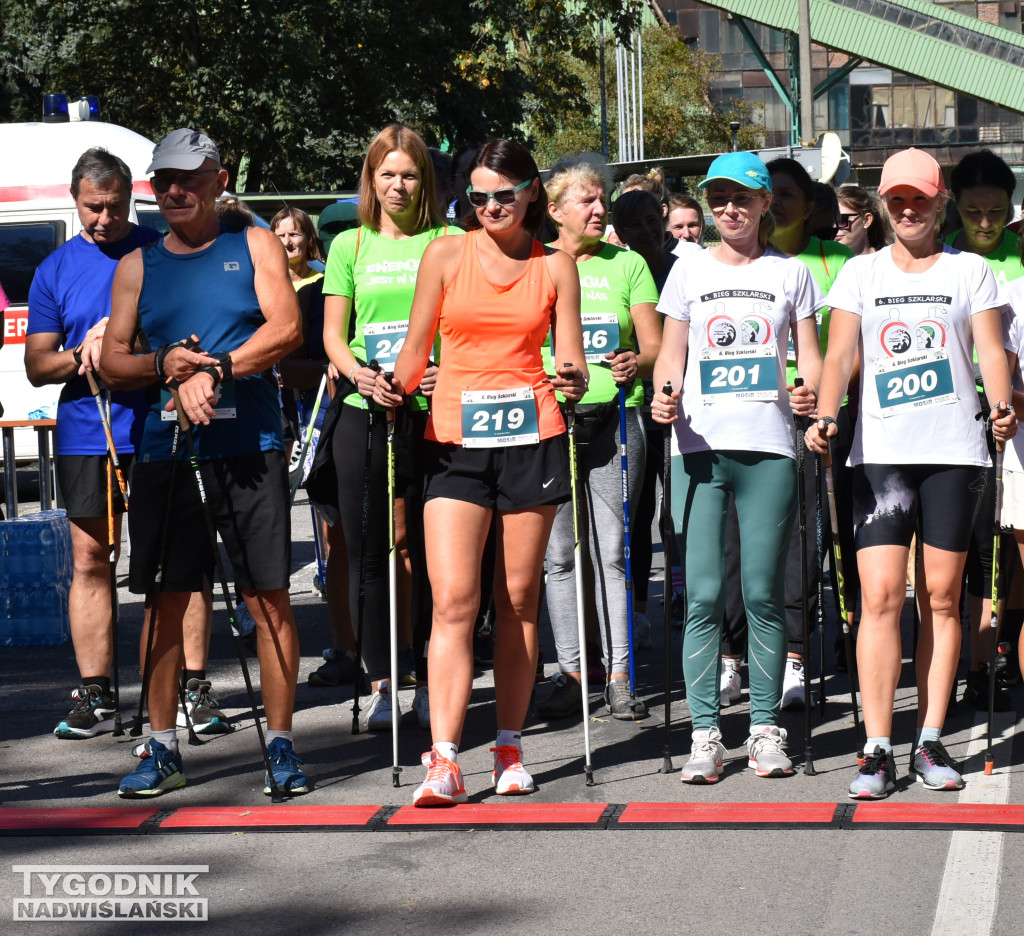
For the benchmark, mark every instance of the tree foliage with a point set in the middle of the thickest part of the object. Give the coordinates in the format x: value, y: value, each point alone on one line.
x: 293, y: 92
x: 680, y: 117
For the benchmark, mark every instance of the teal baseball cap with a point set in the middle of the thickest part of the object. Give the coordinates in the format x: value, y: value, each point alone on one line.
x: 743, y: 168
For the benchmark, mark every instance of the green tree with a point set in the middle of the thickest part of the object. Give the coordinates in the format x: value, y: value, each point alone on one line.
x: 293, y: 92
x: 680, y: 117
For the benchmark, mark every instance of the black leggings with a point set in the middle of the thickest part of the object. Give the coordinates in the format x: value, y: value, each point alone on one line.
x: 349, y: 450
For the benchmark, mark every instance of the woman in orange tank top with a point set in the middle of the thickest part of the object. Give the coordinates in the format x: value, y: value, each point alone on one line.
x: 497, y: 443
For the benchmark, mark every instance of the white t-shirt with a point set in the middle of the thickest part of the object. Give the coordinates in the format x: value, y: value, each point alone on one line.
x: 918, y: 397
x: 683, y: 247
x: 734, y: 392
x: 1013, y: 340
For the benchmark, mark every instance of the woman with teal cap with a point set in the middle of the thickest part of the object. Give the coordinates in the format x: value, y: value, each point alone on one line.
x: 729, y: 313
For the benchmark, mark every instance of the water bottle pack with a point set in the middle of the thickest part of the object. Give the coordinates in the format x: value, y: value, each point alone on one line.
x: 35, y: 576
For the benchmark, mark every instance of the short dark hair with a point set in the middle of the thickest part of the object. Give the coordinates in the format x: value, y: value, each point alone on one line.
x: 982, y: 168
x: 792, y: 168
x: 633, y: 203
x: 513, y: 161
x: 100, y: 168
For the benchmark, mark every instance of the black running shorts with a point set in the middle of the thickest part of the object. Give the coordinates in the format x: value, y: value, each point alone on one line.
x: 248, y: 497
x: 888, y: 499
x: 514, y: 478
x: 83, y: 484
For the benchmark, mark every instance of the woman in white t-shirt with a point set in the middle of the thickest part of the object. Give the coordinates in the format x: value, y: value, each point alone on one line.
x: 729, y: 313
x: 917, y: 309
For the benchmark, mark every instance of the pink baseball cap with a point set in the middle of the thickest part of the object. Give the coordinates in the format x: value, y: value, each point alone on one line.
x: 915, y: 168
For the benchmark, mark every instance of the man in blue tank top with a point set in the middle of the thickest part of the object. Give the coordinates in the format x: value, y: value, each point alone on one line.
x: 68, y: 305
x: 231, y: 289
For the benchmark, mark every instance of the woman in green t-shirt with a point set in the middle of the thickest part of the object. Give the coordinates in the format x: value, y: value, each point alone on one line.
x: 982, y: 186
x: 622, y: 336
x: 368, y: 287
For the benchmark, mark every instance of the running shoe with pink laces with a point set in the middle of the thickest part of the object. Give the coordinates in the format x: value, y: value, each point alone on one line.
x: 443, y: 786
x: 510, y: 777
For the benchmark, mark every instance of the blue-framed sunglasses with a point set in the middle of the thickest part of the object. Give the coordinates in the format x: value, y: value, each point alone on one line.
x: 505, y: 196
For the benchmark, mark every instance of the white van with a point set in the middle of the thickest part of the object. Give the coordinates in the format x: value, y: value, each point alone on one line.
x: 37, y: 215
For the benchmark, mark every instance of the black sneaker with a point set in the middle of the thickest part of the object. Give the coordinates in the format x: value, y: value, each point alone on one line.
x: 931, y: 764
x: 565, y: 700
x: 1007, y: 671
x: 877, y: 778
x: 203, y: 709
x: 92, y: 715
x: 976, y: 693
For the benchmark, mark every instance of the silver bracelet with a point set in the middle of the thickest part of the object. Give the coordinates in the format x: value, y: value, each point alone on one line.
x: 355, y: 367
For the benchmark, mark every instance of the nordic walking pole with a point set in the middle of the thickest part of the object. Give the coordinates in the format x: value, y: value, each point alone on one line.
x: 158, y: 577
x: 624, y: 460
x: 364, y: 532
x: 111, y: 449
x: 805, y: 611
x: 309, y: 435
x: 819, y: 544
x: 193, y: 458
x: 581, y: 619
x: 994, y: 619
x: 112, y: 465
x: 666, y: 547
x: 845, y: 615
x: 393, y: 591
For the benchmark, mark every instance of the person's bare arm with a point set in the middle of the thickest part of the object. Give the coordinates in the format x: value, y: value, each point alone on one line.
x: 572, y: 375
x: 440, y: 256
x: 45, y: 362
x: 647, y: 324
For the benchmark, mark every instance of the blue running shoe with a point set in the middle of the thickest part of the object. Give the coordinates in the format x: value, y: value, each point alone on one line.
x: 288, y: 774
x: 159, y: 770
x: 933, y: 767
x: 877, y: 778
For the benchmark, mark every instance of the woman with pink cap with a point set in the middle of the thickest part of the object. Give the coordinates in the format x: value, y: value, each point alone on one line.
x: 917, y: 309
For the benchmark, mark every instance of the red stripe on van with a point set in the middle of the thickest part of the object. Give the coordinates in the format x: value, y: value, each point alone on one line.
x: 24, y: 193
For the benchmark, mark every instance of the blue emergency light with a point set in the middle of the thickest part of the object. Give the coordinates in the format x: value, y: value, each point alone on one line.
x: 55, y: 108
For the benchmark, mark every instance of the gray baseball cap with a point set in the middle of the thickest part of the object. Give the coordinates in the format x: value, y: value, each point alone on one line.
x: 183, y: 149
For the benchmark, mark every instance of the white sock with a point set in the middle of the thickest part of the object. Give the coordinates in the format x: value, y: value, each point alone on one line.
x: 273, y: 735
x: 447, y: 750
x: 168, y: 738
x: 514, y: 738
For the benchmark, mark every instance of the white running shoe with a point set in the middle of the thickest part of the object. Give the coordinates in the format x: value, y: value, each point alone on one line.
x: 443, y: 786
x: 766, y: 751
x: 729, y: 686
x: 793, y: 685
x: 377, y: 714
x: 421, y: 706
x: 510, y: 777
x: 707, y: 755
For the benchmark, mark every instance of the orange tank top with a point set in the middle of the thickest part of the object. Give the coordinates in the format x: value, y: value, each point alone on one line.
x: 491, y: 339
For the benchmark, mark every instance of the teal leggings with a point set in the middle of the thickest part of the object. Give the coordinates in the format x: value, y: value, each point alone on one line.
x: 764, y: 486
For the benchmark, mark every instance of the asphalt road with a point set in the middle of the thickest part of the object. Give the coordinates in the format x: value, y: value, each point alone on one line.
x: 757, y: 870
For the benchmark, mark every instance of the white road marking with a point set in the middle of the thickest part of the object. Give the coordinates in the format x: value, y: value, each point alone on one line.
x: 970, y: 883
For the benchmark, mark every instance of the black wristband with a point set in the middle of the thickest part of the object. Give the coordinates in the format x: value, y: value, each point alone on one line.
x: 76, y: 353
x: 211, y: 369
x: 161, y: 354
x: 225, y: 366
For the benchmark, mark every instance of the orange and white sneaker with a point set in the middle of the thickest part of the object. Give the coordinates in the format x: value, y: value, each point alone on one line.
x: 443, y: 786
x: 510, y: 777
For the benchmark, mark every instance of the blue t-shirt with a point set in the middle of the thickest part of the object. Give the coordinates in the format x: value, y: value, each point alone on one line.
x: 70, y: 293
x: 210, y: 294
